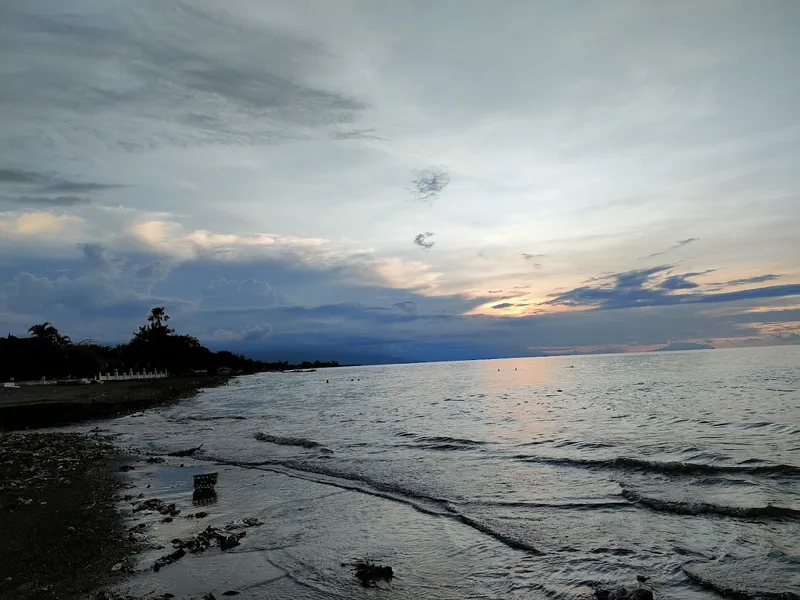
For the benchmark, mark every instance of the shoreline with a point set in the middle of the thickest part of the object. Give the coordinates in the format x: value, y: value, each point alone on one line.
x: 33, y: 407
x: 64, y: 526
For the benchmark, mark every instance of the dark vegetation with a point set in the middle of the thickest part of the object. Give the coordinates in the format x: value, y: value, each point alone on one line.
x: 48, y: 353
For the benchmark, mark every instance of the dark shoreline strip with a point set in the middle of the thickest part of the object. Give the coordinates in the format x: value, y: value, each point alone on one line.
x: 51, y: 406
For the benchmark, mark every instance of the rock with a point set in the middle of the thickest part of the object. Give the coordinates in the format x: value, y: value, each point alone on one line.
x: 641, y: 594
x: 619, y: 594
x: 230, y: 593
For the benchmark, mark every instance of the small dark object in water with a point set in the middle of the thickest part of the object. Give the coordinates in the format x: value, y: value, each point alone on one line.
x: 125, y: 468
x: 369, y: 573
x: 205, y: 481
x: 641, y: 578
x: 187, y: 452
x: 230, y: 593
x: 559, y: 390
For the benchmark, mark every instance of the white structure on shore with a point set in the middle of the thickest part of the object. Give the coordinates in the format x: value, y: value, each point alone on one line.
x: 156, y: 374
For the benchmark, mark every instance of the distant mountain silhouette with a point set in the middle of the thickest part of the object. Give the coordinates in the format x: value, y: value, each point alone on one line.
x: 684, y: 346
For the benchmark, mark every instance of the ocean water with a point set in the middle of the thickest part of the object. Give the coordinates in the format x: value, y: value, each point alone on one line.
x: 523, y: 478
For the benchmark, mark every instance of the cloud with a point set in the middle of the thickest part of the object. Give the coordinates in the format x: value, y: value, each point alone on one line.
x: 36, y: 223
x: 48, y: 189
x: 157, y: 74
x: 45, y: 201
x: 643, y: 287
x: 503, y: 305
x: 225, y: 293
x: 528, y: 256
x: 675, y: 246
x: 249, y: 333
x: 429, y: 184
x: 756, y: 279
x: 421, y: 240
x: 408, y: 306
x: 21, y: 176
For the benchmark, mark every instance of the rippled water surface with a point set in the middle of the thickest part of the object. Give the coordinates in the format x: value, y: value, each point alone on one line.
x: 524, y: 478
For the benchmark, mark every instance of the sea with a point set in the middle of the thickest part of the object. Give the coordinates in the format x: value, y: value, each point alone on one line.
x: 515, y: 478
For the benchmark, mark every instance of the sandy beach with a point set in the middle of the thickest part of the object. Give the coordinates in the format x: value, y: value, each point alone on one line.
x: 60, y: 491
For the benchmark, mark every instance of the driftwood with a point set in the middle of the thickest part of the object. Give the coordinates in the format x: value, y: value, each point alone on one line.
x: 187, y: 452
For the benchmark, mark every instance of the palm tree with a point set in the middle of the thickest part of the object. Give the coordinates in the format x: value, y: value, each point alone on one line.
x: 49, y: 334
x: 158, y: 317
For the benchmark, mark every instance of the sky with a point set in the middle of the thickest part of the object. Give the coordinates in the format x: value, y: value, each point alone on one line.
x: 378, y: 181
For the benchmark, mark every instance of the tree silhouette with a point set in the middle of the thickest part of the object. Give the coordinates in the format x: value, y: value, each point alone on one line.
x: 158, y: 317
x: 48, y: 334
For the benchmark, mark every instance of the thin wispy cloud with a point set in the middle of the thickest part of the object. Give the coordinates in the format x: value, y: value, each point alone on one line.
x: 675, y: 246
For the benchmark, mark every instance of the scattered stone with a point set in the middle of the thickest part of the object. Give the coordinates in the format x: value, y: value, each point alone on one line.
x: 159, y: 506
x: 198, y: 515
x: 246, y: 522
x: 168, y: 559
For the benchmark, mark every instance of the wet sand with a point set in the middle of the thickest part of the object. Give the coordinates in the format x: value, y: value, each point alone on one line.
x: 51, y: 405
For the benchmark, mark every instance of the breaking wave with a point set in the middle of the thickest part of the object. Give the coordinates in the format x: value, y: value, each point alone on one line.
x: 727, y: 589
x: 674, y: 467
x: 444, y: 443
x: 699, y: 508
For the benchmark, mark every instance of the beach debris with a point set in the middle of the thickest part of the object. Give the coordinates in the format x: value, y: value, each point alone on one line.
x: 187, y: 452
x: 204, y: 497
x: 205, y: 481
x: 370, y: 573
x: 168, y: 559
x: 225, y: 538
x: 159, y: 506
